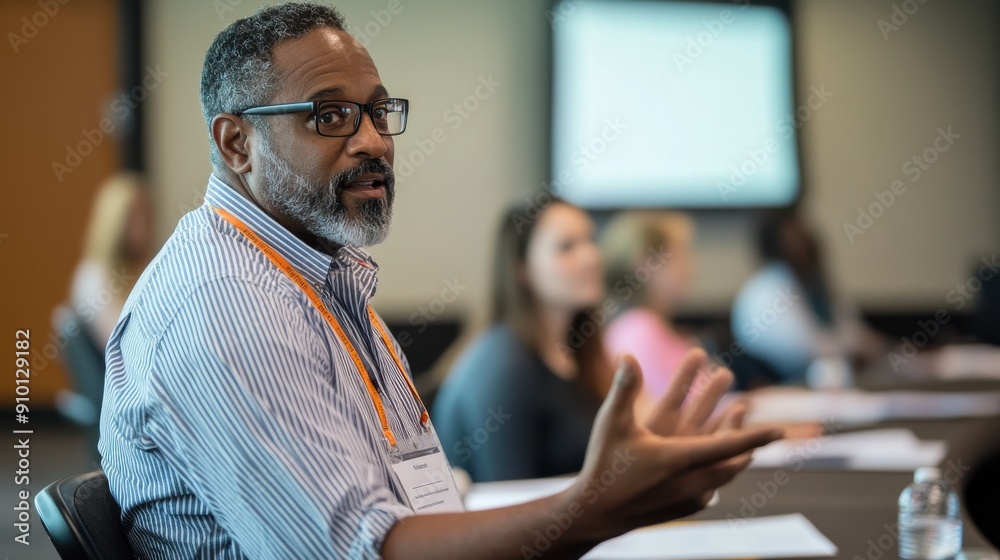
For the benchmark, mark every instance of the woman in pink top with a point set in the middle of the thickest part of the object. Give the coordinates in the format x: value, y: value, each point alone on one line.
x: 649, y: 266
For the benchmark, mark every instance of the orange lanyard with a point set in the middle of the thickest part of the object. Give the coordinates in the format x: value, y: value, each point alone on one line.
x: 304, y: 285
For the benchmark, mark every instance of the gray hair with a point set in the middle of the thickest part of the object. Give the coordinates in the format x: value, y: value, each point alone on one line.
x: 238, y: 73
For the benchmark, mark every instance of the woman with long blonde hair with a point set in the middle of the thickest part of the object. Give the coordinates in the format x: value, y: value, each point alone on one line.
x: 649, y: 269
x: 116, y: 247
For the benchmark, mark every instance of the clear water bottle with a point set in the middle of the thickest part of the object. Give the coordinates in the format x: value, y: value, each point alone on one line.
x: 930, y: 523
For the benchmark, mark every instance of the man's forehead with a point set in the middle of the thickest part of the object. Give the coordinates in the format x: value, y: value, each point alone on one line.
x: 326, y: 61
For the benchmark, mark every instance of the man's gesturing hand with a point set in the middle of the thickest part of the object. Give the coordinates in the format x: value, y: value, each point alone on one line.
x: 668, y: 467
x: 670, y: 417
x: 634, y: 475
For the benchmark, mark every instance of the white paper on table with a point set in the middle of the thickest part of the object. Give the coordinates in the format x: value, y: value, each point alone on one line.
x: 857, y: 408
x: 896, y: 449
x: 488, y: 495
x: 842, y: 408
x: 967, y: 361
x: 779, y: 536
x: 924, y: 404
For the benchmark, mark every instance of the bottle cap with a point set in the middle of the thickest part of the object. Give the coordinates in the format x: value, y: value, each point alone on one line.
x: 926, y: 474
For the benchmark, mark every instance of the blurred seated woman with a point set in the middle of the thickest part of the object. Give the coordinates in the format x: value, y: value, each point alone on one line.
x: 115, y: 251
x: 520, y: 401
x: 786, y: 316
x: 649, y: 268
x: 116, y: 247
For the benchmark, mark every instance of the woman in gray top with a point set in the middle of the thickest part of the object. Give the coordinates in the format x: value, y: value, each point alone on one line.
x: 520, y: 401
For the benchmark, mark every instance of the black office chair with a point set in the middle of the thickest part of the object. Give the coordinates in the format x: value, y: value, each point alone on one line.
x: 82, y: 518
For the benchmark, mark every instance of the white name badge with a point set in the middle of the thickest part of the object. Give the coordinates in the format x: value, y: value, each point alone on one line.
x: 427, y: 480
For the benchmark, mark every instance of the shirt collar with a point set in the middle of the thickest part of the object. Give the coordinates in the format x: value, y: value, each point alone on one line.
x: 312, y: 264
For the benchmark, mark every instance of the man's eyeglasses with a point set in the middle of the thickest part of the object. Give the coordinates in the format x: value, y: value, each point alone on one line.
x: 342, y: 118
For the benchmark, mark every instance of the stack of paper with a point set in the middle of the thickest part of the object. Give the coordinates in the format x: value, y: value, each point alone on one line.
x: 854, y: 408
x: 972, y: 361
x: 788, y: 405
x: 880, y: 450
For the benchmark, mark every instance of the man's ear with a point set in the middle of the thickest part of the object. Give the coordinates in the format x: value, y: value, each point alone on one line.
x: 232, y: 142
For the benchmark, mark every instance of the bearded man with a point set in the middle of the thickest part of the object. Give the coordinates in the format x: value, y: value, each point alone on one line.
x: 257, y: 407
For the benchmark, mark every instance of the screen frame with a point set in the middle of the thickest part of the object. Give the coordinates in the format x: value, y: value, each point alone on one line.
x: 787, y: 10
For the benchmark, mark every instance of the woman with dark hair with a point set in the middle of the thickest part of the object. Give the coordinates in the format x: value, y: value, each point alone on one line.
x: 786, y: 316
x: 520, y: 401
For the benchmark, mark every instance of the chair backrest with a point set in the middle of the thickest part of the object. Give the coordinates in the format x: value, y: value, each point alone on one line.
x: 82, y: 518
x: 82, y: 356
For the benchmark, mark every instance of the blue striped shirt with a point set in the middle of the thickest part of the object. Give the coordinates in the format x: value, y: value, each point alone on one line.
x: 235, y: 424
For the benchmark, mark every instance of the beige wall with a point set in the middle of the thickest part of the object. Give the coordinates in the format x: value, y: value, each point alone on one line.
x: 938, y: 69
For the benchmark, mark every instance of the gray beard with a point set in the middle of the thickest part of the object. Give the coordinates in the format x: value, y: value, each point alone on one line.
x: 319, y: 207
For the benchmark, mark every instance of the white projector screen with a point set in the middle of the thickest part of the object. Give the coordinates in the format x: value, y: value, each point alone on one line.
x: 673, y: 104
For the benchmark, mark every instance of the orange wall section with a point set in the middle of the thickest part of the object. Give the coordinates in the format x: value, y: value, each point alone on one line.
x: 60, y: 75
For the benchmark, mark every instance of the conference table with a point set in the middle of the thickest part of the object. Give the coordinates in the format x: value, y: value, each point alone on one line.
x: 857, y: 510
